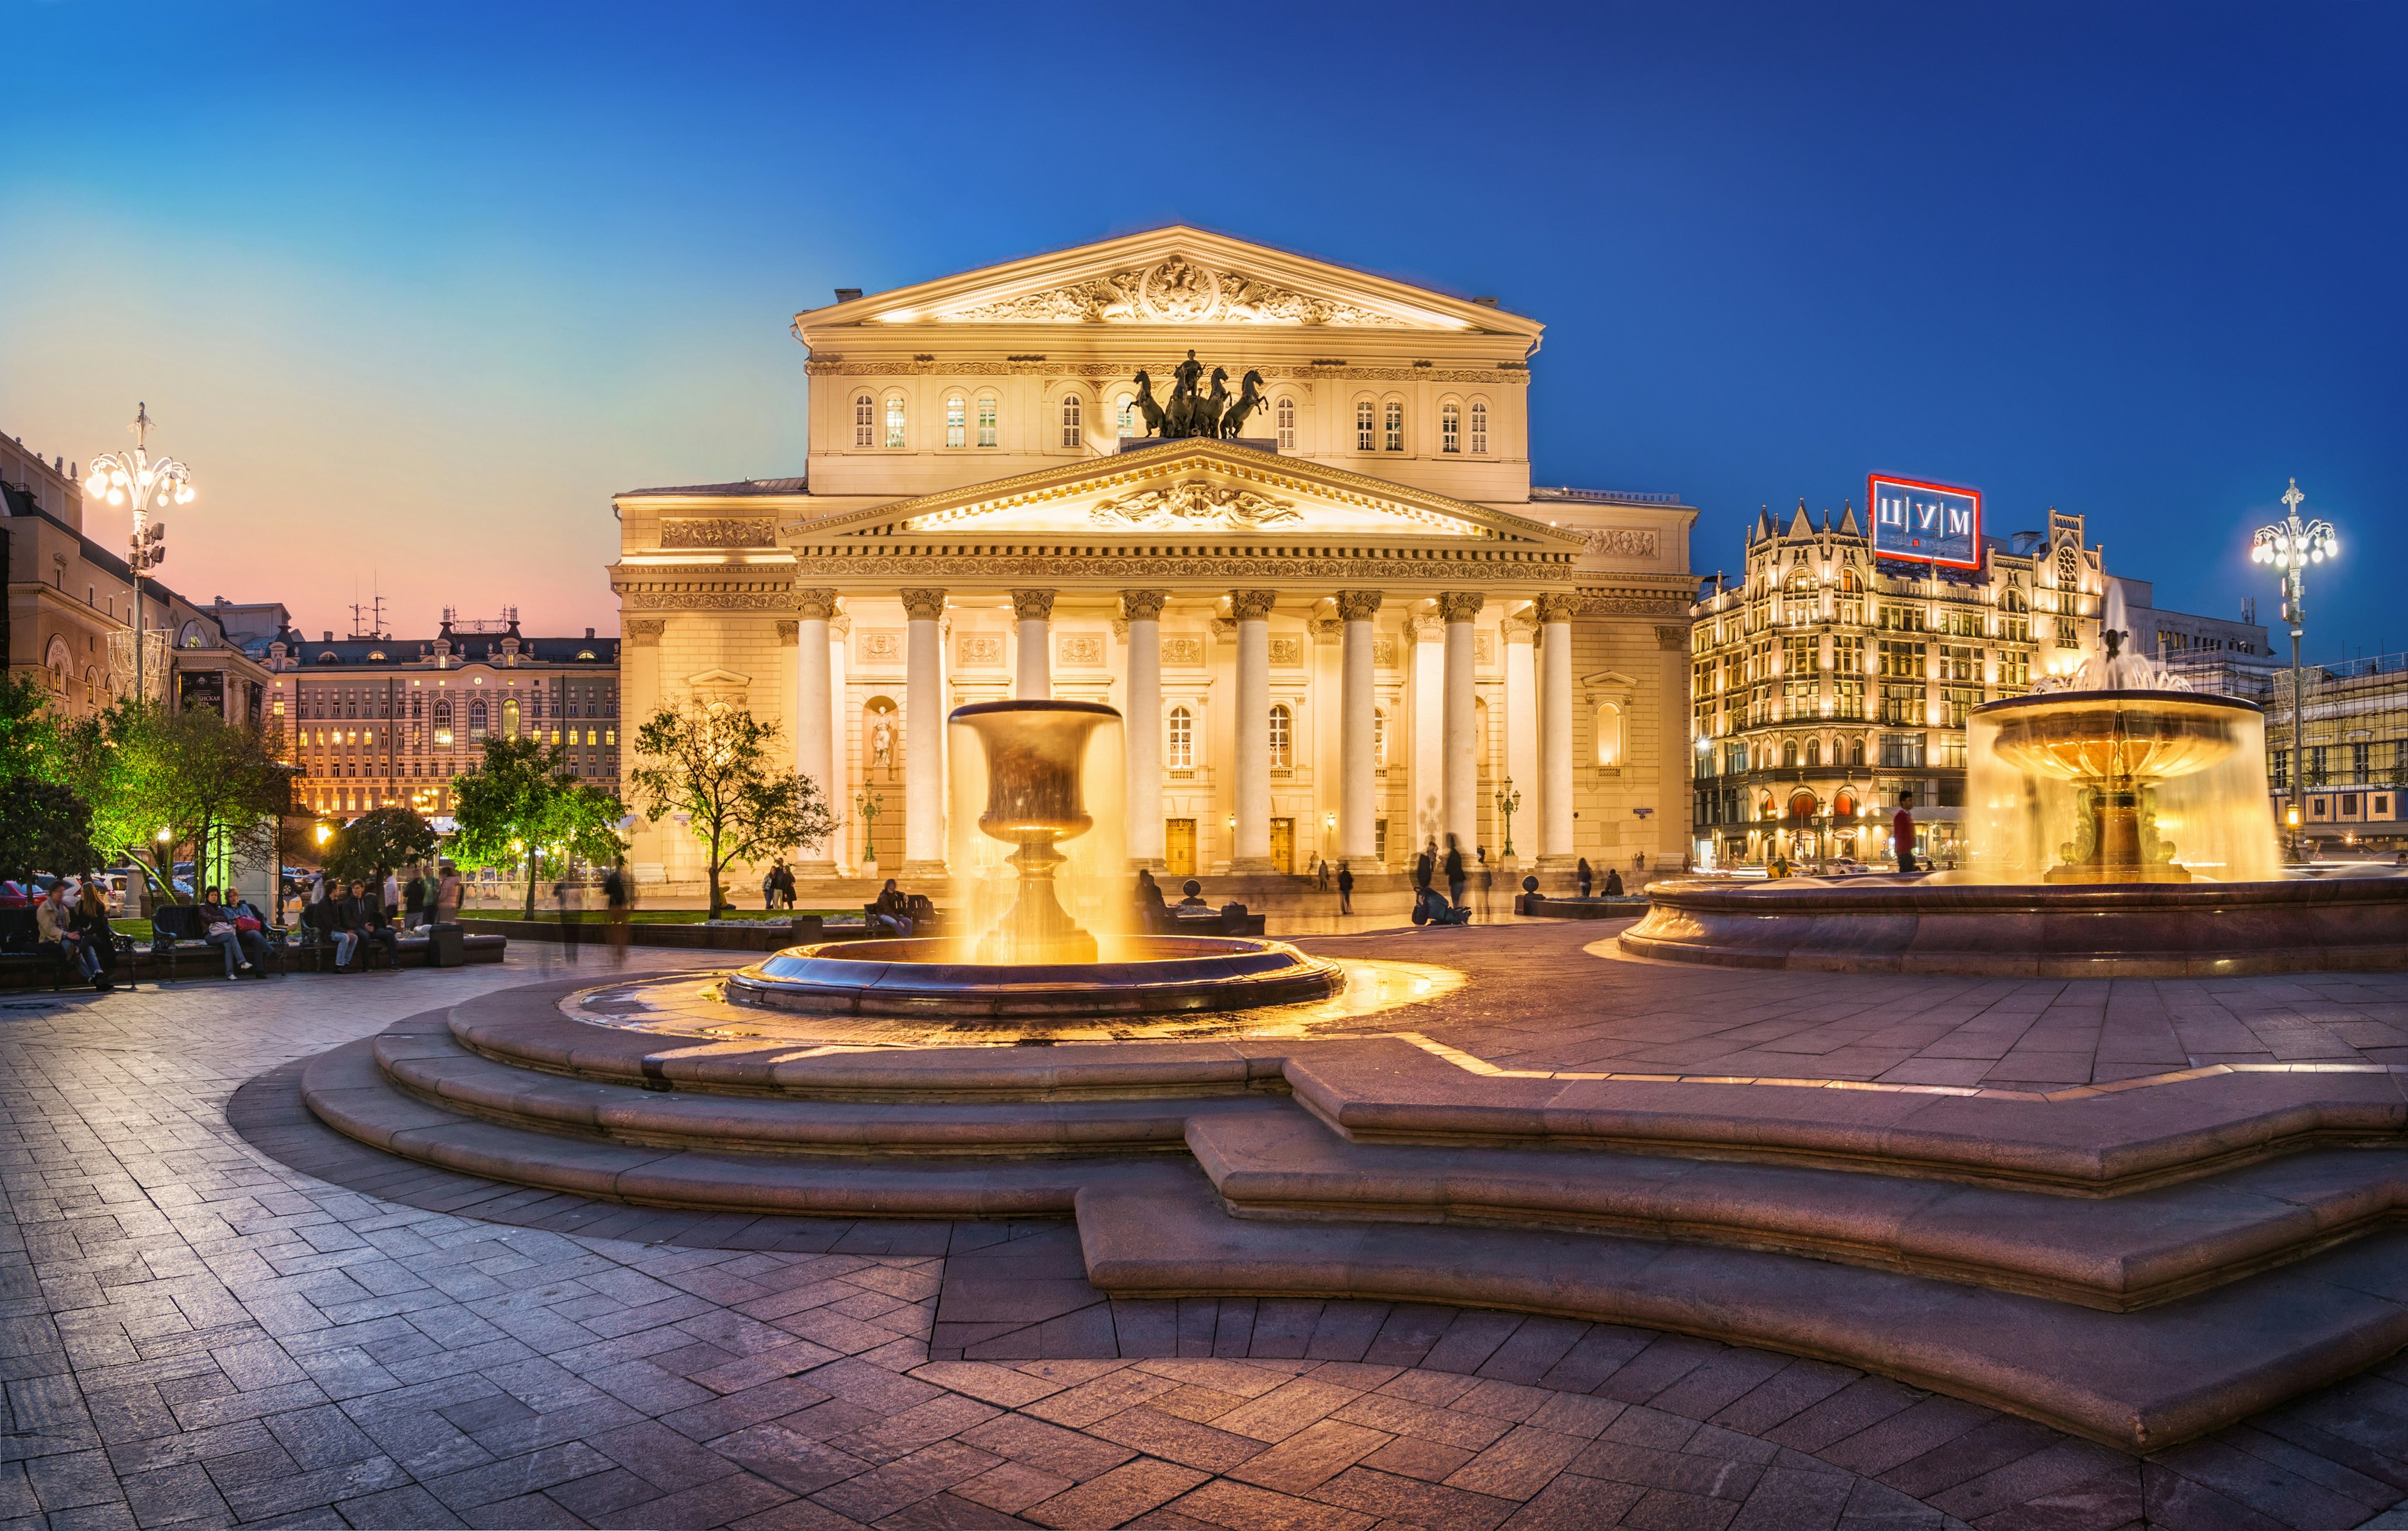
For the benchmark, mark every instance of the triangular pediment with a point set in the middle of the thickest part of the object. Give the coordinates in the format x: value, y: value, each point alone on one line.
x: 1170, y: 277
x: 1196, y: 488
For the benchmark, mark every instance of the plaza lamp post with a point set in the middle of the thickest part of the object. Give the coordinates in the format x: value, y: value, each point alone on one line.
x: 2290, y: 544
x: 146, y: 483
x: 867, y: 806
x: 1508, y: 802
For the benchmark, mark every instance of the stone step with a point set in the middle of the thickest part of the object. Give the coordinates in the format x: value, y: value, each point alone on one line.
x: 2114, y: 1254
x: 2140, y: 1380
x: 430, y: 1065
x: 346, y: 1089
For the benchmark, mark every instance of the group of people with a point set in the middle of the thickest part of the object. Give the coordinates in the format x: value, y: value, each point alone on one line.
x: 1585, y: 878
x: 355, y: 912
x: 71, y: 922
x: 777, y: 887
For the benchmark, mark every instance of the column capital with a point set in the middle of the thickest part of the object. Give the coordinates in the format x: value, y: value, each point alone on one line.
x: 923, y: 605
x: 1426, y: 628
x: 1459, y: 605
x: 1326, y: 631
x: 1671, y: 637
x: 1033, y: 604
x: 642, y: 631
x: 814, y: 604
x: 1358, y: 605
x: 1251, y: 605
x: 1143, y: 605
x: 1521, y: 627
x: 786, y: 631
x: 1557, y: 607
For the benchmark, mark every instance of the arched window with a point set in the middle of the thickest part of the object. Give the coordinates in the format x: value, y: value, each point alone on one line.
x: 1380, y: 737
x: 1393, y: 438
x: 511, y: 716
x: 1844, y: 807
x: 2011, y: 600
x: 2068, y: 569
x: 1180, y: 756
x: 958, y: 421
x: 57, y: 660
x: 1284, y: 418
x: 477, y: 719
x: 986, y: 410
x: 1450, y: 427
x: 1788, y: 755
x: 1366, y: 427
x: 1073, y: 434
x: 1814, y: 752
x: 1609, y: 734
x: 1478, y: 427
x: 1857, y: 752
x: 865, y: 422
x: 1124, y: 415
x: 1803, y: 806
x: 1281, y: 724
x: 895, y: 419
x: 1849, y: 583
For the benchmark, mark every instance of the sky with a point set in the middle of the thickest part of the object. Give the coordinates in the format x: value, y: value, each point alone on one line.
x: 414, y: 289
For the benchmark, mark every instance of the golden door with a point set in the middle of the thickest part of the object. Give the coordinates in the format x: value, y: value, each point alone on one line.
x: 1178, y: 848
x: 1283, y: 845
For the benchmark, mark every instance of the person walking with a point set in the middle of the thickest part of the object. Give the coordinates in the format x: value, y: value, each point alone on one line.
x: 564, y: 894
x: 1455, y: 874
x: 769, y: 890
x: 1587, y: 878
x: 1426, y: 864
x: 448, y: 893
x: 616, y: 895
x: 1487, y: 885
x: 1901, y: 836
x: 414, y: 898
x: 392, y: 897
x: 1345, y: 889
x: 785, y: 887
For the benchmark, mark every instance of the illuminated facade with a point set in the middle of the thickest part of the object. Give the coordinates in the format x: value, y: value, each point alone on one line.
x: 1338, y: 634
x: 380, y: 723
x: 1827, y: 687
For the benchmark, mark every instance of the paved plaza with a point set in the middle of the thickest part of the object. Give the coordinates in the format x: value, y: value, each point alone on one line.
x: 223, y: 1313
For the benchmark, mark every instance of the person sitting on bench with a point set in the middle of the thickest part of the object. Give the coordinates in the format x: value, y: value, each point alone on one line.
x: 892, y: 910
x: 217, y: 929
x: 364, y: 919
x: 52, y: 924
x: 251, y: 929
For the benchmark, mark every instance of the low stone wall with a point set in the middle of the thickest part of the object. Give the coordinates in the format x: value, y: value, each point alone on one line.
x: 684, y: 938
x: 1545, y: 907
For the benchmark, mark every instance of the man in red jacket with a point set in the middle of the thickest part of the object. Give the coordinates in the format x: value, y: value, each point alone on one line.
x: 1901, y: 836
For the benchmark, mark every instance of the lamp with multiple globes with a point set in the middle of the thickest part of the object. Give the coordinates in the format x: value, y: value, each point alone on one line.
x: 147, y: 485
x: 2289, y: 546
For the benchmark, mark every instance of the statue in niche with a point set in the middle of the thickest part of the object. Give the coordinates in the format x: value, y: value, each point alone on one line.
x: 881, y: 744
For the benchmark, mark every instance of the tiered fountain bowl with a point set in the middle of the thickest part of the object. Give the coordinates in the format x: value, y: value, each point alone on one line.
x: 2113, y: 746
x: 1037, y: 963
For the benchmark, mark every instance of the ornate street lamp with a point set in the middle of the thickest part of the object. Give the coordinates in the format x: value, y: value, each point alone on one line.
x: 133, y: 477
x: 1508, y: 802
x: 2290, y: 544
x: 867, y: 806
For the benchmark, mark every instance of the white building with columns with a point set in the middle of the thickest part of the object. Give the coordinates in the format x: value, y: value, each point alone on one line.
x: 1351, y: 629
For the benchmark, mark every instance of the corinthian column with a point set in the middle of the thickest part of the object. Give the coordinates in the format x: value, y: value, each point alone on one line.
x: 923, y: 733
x: 814, y: 701
x: 1033, y: 678
x: 1556, y: 735
x: 1357, y: 831
x: 1522, y: 723
x: 1252, y: 850
x: 1143, y: 608
x: 1459, y: 764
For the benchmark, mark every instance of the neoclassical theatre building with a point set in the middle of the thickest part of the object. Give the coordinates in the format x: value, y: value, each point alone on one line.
x: 1341, y: 630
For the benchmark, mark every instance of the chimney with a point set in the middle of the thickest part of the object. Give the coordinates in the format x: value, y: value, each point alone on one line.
x: 1485, y: 302
x: 330, y: 635
x: 589, y: 632
x: 846, y: 295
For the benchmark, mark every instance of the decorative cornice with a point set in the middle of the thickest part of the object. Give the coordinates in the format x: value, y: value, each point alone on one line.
x: 1459, y: 605
x: 1033, y: 604
x: 1098, y: 379
x: 1111, y: 565
x: 719, y: 532
x: 707, y: 600
x: 1251, y: 605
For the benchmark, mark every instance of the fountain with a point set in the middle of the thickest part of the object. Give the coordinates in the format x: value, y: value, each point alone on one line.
x: 2119, y: 826
x: 1036, y: 963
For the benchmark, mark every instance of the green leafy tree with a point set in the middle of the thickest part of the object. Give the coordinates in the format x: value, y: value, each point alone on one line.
x: 524, y: 806
x: 378, y: 841
x: 44, y: 827
x: 158, y: 782
x: 715, y: 764
x: 32, y: 737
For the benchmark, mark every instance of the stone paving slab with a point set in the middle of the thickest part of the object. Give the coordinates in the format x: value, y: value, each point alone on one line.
x: 197, y: 1333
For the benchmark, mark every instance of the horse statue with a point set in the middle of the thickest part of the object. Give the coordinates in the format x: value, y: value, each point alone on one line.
x: 1208, y: 414
x: 1146, y: 407
x: 1250, y: 398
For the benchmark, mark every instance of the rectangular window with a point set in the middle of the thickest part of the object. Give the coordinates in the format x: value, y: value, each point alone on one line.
x: 2316, y: 764
x: 1848, y: 694
x: 1950, y: 753
x: 1848, y: 655
x: 1901, y: 704
x: 1124, y: 418
x: 1800, y: 699
x: 1902, y: 661
x: 2361, y: 758
x: 1800, y: 655
x: 986, y: 432
x: 1181, y: 753
x: 2015, y: 667
x: 2279, y: 769
x: 1958, y: 701
x: 1902, y: 752
x: 1734, y: 759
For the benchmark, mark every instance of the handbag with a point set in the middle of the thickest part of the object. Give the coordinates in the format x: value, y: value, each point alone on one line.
x: 248, y: 926
x: 219, y: 927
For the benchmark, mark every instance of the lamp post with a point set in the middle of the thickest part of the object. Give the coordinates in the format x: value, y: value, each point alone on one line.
x: 134, y: 477
x: 1508, y: 802
x: 867, y: 806
x: 2290, y: 544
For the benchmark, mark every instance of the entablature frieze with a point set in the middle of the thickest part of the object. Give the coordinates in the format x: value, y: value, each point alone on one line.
x: 704, y: 587
x: 1085, y: 567
x: 1098, y: 376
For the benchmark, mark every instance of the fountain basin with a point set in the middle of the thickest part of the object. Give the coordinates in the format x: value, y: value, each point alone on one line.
x: 2032, y: 930
x: 1138, y: 975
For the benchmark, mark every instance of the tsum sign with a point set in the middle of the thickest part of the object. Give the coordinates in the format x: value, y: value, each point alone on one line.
x: 1926, y: 523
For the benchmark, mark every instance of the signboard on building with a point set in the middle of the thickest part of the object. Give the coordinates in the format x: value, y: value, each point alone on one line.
x: 1918, y: 522
x: 201, y: 689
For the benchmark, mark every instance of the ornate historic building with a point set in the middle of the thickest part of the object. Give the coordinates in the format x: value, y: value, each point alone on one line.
x: 1340, y: 624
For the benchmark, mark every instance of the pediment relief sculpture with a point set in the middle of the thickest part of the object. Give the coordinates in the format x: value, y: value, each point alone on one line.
x: 1197, y: 503
x: 1175, y: 290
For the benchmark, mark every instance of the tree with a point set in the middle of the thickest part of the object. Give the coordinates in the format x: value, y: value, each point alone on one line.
x: 714, y: 766
x: 523, y: 805
x: 31, y: 741
x: 378, y: 841
x: 159, y: 781
x: 44, y: 827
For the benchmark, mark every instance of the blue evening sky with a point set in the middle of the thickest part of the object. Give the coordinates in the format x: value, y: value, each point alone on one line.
x: 414, y: 288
